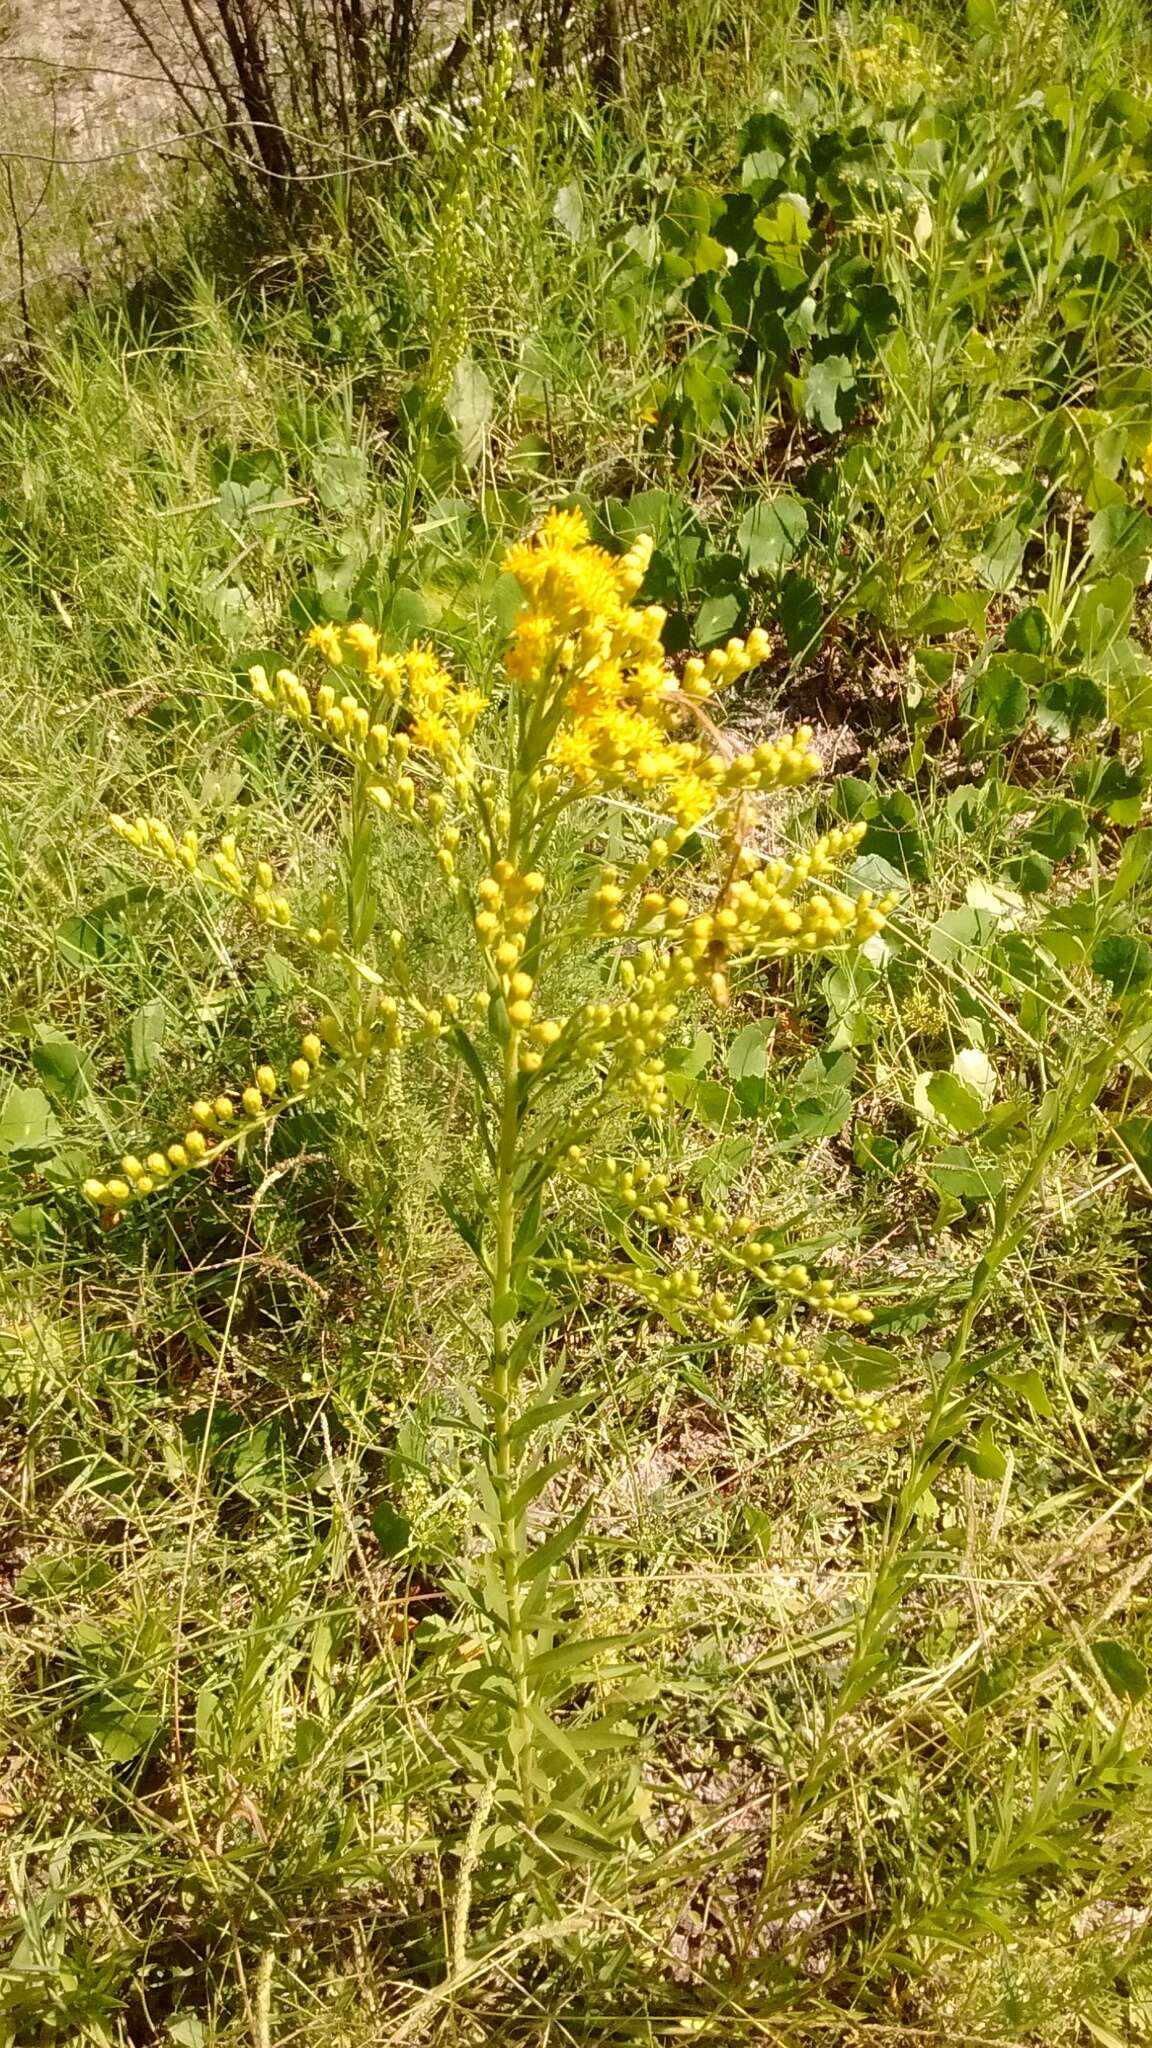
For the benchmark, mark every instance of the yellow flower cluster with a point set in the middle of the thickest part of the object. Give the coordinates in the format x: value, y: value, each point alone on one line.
x: 439, y: 715
x: 761, y: 914
x: 212, y: 1128
x: 897, y: 67
x: 605, y: 699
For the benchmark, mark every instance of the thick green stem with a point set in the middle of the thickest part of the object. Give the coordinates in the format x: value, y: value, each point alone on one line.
x: 504, y: 1472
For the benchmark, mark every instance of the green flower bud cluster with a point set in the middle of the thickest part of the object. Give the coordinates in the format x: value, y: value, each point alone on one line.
x: 224, y: 866
x: 253, y: 884
x: 823, y: 1375
x: 734, y: 1240
x: 213, y: 1127
x: 689, y: 1292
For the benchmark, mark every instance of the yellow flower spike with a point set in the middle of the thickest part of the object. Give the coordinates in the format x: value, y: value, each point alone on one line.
x: 521, y: 984
x: 261, y: 688
x: 530, y: 1062
x: 520, y: 1014
x: 223, y: 1109
x: 266, y: 1080
x: 301, y: 1074
x: 195, y: 1145
x: 158, y: 1166
x: 131, y: 1167
x: 312, y: 1048
x: 203, y: 1113
x: 253, y: 1102
x: 96, y: 1191
x: 177, y: 1156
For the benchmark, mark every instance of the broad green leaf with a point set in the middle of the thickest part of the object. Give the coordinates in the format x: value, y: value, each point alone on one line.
x: 469, y: 407
x: 393, y: 1531
x: 869, y: 1365
x: 975, y: 1069
x: 120, y: 1731
x: 1030, y: 1387
x: 1028, y: 632
x: 748, y: 1053
x: 955, y: 1172
x: 146, y: 1037
x: 983, y: 17
x: 1003, y: 697
x: 694, y: 1059
x: 343, y: 477
x: 1124, y: 963
x: 800, y: 614
x: 716, y: 619
x: 186, y: 2031
x: 960, y: 611
x: 829, y: 390
x: 31, y: 1224
x: 1057, y: 831
x: 65, y: 1070
x: 951, y: 1099
x: 1069, y: 706
x: 568, y: 211
x: 1122, y: 1669
x: 1102, y: 613
x: 984, y: 1457
x: 26, y: 1121
x: 1120, y: 537
x: 957, y: 934
x: 773, y: 532
x: 1001, y: 557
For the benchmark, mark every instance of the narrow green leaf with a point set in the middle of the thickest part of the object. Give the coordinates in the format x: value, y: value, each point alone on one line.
x: 535, y: 1483
x: 573, y: 1656
x: 460, y: 1039
x: 555, y: 1547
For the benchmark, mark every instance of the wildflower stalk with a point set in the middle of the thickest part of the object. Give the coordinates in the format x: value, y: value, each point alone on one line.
x: 592, y: 710
x: 502, y: 1384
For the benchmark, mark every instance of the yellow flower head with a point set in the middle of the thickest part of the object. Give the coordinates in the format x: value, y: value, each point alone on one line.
x: 618, y: 715
x: 326, y: 640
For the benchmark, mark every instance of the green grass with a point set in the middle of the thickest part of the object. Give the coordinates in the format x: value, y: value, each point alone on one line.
x: 891, y: 1781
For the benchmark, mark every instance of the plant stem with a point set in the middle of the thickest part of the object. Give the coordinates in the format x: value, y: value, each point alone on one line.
x: 504, y: 1472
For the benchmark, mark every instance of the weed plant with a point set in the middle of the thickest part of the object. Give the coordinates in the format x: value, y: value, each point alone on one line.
x: 810, y: 1732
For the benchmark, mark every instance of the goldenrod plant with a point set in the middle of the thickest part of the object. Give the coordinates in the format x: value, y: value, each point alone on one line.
x: 587, y: 707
